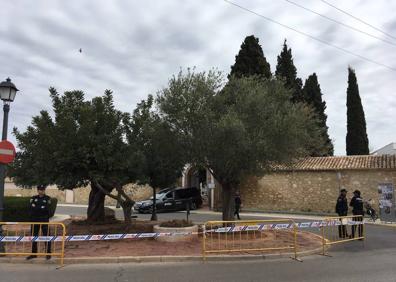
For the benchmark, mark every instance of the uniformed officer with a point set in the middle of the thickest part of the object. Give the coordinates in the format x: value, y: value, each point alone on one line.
x: 357, y: 209
x: 342, y: 210
x: 40, y: 212
x: 238, y: 203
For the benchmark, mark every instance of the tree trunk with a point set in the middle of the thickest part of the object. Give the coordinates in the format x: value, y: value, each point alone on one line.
x: 154, y: 211
x: 228, y: 205
x: 95, y: 210
x: 127, y: 210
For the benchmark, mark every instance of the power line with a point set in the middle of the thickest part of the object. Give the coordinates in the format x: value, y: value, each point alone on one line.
x: 358, y: 19
x: 311, y: 36
x: 341, y: 23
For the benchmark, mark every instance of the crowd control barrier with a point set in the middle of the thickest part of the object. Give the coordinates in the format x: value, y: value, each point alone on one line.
x: 342, y: 229
x: 33, y: 238
x: 247, y: 236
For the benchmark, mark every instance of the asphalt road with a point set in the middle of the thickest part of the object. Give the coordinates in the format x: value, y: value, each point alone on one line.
x: 361, y: 265
x: 197, y: 218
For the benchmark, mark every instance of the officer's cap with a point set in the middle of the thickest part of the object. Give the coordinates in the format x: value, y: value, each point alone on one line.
x: 41, y: 187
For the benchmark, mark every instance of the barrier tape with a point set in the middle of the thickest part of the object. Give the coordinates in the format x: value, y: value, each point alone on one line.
x: 236, y: 228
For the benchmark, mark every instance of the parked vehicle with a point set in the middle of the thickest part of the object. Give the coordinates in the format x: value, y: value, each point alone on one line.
x: 172, y: 199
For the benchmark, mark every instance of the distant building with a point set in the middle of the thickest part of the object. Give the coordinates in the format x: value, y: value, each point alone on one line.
x: 389, y: 149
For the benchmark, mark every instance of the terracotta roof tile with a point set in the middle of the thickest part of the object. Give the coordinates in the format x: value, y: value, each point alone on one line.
x: 341, y: 163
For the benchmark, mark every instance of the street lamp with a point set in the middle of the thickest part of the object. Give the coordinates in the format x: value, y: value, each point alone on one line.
x: 7, y: 94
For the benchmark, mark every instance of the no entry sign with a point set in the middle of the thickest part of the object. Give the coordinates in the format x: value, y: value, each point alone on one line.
x: 7, y: 152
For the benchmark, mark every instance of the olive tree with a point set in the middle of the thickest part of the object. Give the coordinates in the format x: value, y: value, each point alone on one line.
x: 237, y: 130
x: 82, y: 144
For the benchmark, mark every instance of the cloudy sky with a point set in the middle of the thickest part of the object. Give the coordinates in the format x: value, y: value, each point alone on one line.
x: 133, y: 47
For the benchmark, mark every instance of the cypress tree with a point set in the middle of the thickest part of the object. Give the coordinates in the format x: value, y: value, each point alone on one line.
x: 286, y: 70
x: 356, y: 138
x: 312, y: 95
x: 250, y: 60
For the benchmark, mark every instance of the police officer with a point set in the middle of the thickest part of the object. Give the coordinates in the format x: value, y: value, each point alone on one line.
x: 357, y: 209
x: 40, y: 212
x: 342, y: 210
x: 238, y: 203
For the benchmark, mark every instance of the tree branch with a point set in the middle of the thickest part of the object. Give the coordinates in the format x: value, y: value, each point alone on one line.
x: 122, y: 193
x: 104, y: 191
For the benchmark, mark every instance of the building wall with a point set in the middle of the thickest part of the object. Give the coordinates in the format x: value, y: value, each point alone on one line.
x: 389, y: 149
x: 310, y: 191
x: 79, y: 195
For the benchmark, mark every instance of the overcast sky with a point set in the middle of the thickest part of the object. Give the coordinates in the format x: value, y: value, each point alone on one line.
x: 133, y: 48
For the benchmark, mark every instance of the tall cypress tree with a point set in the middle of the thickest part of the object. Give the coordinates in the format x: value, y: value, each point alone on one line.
x: 356, y: 139
x: 250, y: 60
x: 312, y: 95
x: 286, y: 70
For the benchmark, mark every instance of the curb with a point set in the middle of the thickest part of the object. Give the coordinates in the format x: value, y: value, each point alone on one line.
x: 157, y: 259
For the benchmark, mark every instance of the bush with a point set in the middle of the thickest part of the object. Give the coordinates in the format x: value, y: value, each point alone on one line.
x: 17, y: 208
x: 176, y: 223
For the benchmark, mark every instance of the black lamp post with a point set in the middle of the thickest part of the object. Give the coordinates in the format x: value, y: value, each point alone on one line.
x: 7, y: 94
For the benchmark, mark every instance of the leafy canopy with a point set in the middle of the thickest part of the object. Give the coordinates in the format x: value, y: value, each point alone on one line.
x: 240, y: 130
x: 84, y: 141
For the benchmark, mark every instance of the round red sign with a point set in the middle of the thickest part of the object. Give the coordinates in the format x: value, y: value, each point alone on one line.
x: 7, y: 152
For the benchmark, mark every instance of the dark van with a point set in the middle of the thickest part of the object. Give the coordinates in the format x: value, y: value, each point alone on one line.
x: 174, y: 199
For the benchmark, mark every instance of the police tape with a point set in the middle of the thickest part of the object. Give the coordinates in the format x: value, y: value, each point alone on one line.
x: 230, y: 229
x: 277, y: 226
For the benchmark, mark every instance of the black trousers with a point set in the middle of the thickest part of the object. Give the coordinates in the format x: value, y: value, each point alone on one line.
x: 35, y: 230
x: 236, y: 213
x: 360, y: 227
x: 342, y: 229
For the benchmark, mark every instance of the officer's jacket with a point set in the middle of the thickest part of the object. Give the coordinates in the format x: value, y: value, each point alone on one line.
x: 238, y: 201
x: 357, y: 205
x: 342, y: 206
x: 40, y: 208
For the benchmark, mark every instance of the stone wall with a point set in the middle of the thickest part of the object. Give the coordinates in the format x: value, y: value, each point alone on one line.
x: 310, y: 191
x: 79, y: 195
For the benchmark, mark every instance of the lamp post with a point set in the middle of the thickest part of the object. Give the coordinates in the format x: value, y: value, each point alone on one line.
x: 7, y: 94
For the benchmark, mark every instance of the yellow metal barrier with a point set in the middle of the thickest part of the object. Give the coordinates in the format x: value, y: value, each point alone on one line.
x: 249, y: 236
x: 342, y: 229
x: 17, y: 237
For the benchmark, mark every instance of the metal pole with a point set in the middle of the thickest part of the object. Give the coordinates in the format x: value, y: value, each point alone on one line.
x: 6, y: 110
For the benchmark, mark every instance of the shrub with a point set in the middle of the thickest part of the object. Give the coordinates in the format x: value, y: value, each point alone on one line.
x: 17, y: 208
x: 176, y: 223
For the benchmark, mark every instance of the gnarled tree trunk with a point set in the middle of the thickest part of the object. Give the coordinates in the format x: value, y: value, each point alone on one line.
x: 96, y: 200
x: 228, y: 204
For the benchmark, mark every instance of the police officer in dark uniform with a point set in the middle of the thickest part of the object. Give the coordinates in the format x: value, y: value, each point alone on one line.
x: 342, y: 210
x: 357, y: 209
x: 40, y: 212
x: 238, y: 203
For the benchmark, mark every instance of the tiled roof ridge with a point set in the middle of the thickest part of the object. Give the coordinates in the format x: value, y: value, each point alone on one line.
x: 362, y: 162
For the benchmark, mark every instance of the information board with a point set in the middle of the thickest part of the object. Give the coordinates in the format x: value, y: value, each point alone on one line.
x: 386, y: 193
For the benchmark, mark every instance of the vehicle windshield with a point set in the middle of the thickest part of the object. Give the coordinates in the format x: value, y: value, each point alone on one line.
x: 158, y: 196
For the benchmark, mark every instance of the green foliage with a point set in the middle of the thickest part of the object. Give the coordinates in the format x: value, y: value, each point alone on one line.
x: 250, y: 60
x: 356, y: 140
x: 162, y: 160
x: 84, y: 141
x: 17, y: 209
x: 312, y: 95
x: 240, y: 130
x: 286, y: 71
